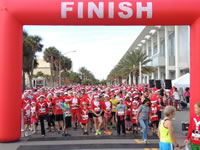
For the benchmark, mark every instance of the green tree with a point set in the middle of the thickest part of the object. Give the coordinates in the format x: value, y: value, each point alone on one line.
x: 130, y: 65
x: 50, y: 55
x: 29, y: 58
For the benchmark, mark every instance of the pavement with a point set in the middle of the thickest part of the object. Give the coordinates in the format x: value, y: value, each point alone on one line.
x: 55, y: 141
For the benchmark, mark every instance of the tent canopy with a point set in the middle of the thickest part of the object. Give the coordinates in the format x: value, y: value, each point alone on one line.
x: 182, y: 82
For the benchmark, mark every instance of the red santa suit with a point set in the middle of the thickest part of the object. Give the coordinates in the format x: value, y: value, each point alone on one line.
x: 75, y: 108
x: 96, y: 106
x: 107, y: 106
x: 134, y: 111
x: 33, y: 114
x: 128, y: 105
x: 25, y: 101
x: 27, y: 114
x: 41, y: 108
x: 84, y: 115
x: 154, y: 112
x: 57, y: 102
x: 194, y: 130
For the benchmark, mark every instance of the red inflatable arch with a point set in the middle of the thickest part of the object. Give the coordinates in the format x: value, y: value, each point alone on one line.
x: 16, y: 13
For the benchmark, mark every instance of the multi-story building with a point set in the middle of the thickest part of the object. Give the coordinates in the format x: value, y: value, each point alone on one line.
x: 169, y: 49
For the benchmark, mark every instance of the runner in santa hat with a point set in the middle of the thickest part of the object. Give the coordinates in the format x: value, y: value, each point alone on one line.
x: 90, y: 99
x: 97, y: 109
x: 121, y: 116
x: 57, y: 109
x: 154, y: 116
x: 75, y: 109
x: 128, y: 123
x: 67, y: 115
x: 25, y: 100
x: 51, y: 116
x: 134, y: 111
x: 42, y: 111
x: 85, y: 117
x: 194, y: 129
x: 27, y: 118
x: 114, y: 102
x: 34, y: 119
x: 107, y: 107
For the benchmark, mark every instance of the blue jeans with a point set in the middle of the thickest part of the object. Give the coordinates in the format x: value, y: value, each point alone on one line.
x: 144, y: 125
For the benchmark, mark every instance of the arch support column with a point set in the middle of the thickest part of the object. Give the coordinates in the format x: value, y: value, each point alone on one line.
x: 194, y: 63
x: 11, y: 39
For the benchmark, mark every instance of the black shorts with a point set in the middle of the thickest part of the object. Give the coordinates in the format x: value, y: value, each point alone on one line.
x: 59, y: 117
x: 68, y: 122
x: 128, y: 118
x: 155, y: 122
x: 95, y: 115
x: 90, y: 115
x: 135, y: 125
x: 83, y: 124
x: 113, y: 114
x: 102, y: 114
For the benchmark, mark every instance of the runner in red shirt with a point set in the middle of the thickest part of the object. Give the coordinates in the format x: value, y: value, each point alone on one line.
x: 134, y: 111
x: 75, y: 109
x: 42, y: 111
x: 34, y: 118
x: 194, y: 129
x: 27, y: 118
x: 154, y: 116
x: 128, y: 123
x: 96, y: 108
x: 107, y: 107
x: 85, y: 117
x: 58, y: 112
x: 51, y: 116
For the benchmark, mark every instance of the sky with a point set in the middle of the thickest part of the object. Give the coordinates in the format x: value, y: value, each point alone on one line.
x: 98, y: 48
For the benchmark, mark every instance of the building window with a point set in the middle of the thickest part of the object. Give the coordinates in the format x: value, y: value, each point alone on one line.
x: 171, y: 44
x: 149, y: 51
x: 162, y: 48
x: 155, y: 49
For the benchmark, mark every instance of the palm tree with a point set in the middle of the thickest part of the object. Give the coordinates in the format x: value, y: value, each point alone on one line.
x: 50, y: 55
x: 36, y: 46
x: 131, y: 63
x: 29, y: 59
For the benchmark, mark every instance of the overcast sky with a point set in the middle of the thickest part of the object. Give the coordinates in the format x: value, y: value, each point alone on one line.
x: 99, y: 48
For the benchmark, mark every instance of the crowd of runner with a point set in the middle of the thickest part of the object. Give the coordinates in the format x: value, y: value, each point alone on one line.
x: 96, y: 108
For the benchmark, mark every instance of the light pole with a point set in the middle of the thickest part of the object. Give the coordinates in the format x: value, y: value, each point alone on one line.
x: 74, y: 51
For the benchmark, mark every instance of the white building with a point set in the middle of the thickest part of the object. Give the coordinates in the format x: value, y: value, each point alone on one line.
x: 169, y: 49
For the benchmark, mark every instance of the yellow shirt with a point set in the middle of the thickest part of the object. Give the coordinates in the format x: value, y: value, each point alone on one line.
x: 114, y: 104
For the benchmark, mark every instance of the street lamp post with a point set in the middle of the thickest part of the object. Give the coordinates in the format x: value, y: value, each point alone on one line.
x: 60, y: 65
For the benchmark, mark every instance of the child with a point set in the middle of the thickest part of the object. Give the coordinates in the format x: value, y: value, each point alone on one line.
x: 34, y: 119
x: 107, y: 106
x: 194, y: 129
x: 165, y: 132
x: 68, y: 117
x: 85, y: 118
x: 134, y: 111
x: 27, y: 118
x: 121, y: 116
x: 154, y: 116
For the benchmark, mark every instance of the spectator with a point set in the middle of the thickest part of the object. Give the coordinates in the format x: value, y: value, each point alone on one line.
x: 187, y: 95
x: 143, y: 116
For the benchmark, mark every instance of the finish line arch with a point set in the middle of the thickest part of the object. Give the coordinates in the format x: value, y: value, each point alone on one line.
x: 14, y: 14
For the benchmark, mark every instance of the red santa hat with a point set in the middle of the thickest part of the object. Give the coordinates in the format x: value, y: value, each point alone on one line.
x: 96, y: 96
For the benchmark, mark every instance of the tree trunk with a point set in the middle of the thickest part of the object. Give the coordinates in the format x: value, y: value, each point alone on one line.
x: 51, y: 69
x: 23, y: 81
x: 30, y: 79
x: 131, y: 78
x: 136, y: 77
